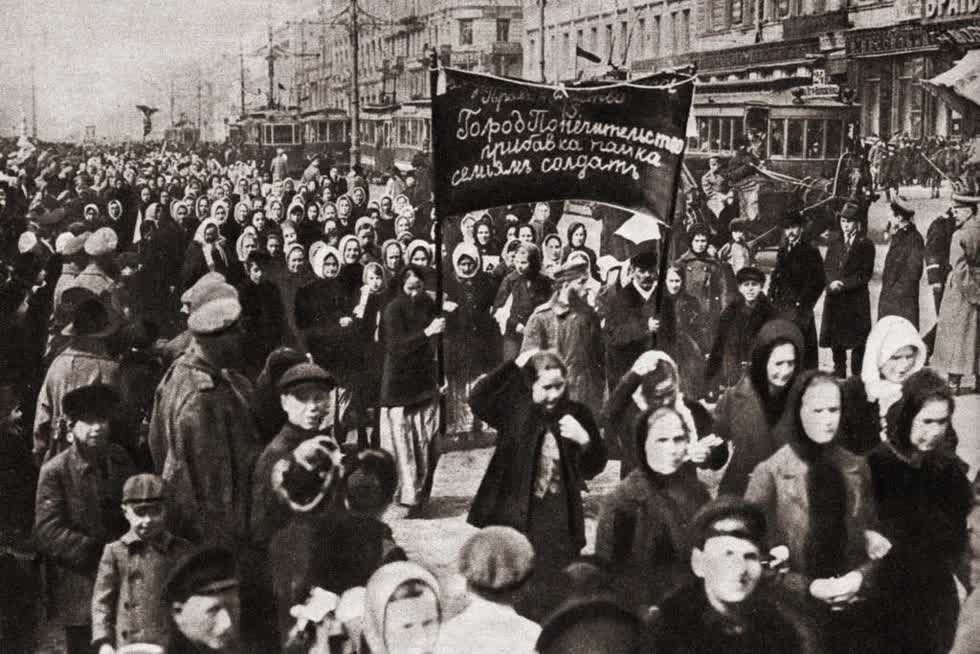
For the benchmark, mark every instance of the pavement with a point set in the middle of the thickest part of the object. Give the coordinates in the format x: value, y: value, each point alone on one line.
x: 436, y: 539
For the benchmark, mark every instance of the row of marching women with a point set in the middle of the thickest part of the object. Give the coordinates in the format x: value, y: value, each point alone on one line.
x: 219, y: 388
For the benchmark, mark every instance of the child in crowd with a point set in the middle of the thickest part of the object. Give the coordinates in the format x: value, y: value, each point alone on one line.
x: 737, y: 327
x: 127, y: 606
x: 737, y: 253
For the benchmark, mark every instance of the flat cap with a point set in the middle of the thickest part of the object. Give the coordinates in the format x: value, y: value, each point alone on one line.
x: 143, y: 489
x: 102, y: 241
x: 204, y: 571
x: 208, y: 279
x: 850, y: 211
x: 496, y: 559
x: 729, y: 515
x: 93, y: 401
x: 305, y: 373
x: 750, y: 274
x: 963, y: 200
x: 218, y: 309
x: 572, y: 269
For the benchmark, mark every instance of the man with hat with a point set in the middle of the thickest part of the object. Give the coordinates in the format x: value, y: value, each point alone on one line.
x: 631, y: 322
x: 939, y: 236
x: 727, y: 611
x: 100, y: 246
x: 797, y: 282
x: 570, y: 327
x: 127, y: 602
x: 708, y: 281
x: 738, y: 326
x: 201, y: 593
x: 496, y: 563
x: 189, y: 300
x: 846, y: 320
x: 74, y: 261
x: 903, y: 265
x: 86, y: 360
x: 77, y: 509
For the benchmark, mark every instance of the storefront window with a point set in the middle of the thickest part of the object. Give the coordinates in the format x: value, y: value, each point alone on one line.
x: 794, y: 138
x: 777, y: 137
x: 726, y: 134
x: 704, y: 135
x: 910, y: 96
x: 814, y: 139
x: 835, y: 135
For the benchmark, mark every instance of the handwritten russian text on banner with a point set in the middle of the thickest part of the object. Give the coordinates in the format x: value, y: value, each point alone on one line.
x: 500, y: 141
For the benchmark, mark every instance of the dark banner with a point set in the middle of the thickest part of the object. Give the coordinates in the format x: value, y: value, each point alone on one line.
x: 498, y: 141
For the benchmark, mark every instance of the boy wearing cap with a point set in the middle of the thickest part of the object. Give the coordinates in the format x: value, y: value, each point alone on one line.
x: 903, y: 267
x: 737, y: 253
x: 727, y: 611
x: 202, y: 595
x: 737, y: 327
x: 849, y: 265
x: 127, y: 605
x: 496, y: 562
x: 77, y: 509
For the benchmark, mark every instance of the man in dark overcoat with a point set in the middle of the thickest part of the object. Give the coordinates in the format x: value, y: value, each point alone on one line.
x: 797, y: 282
x: 846, y: 319
x: 903, y: 266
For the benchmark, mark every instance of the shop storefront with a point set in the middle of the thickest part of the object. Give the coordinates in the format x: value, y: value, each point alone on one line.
x: 954, y: 84
x: 886, y: 66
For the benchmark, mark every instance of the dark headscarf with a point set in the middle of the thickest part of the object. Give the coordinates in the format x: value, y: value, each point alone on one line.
x: 826, y: 540
x: 919, y: 388
x: 773, y: 334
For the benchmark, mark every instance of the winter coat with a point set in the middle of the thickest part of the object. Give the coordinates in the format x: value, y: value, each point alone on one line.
x: 196, y: 266
x: 319, y: 308
x: 846, y: 318
x: 688, y: 624
x: 263, y: 322
x: 572, y: 331
x: 901, y: 274
x: 957, y: 338
x: 527, y: 294
x: 127, y: 605
x: 712, y: 284
x: 204, y: 441
x: 922, y: 511
x: 81, y: 364
x: 741, y: 417
x: 795, y: 285
x: 737, y: 328
x: 939, y: 237
x: 471, y: 333
x: 409, y: 375
x: 643, y: 532
x: 78, y: 511
x: 626, y: 329
x: 502, y: 399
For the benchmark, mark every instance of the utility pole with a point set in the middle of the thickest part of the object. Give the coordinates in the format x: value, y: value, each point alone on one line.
x: 241, y: 73
x: 172, y: 101
x: 199, y: 102
x: 271, y: 58
x: 33, y: 101
x: 355, y: 117
x: 541, y: 45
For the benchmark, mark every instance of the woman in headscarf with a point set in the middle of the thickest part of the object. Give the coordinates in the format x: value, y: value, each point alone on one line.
x: 748, y: 411
x: 402, y: 611
x: 232, y: 229
x: 645, y: 520
x: 306, y: 220
x: 92, y: 215
x: 471, y: 336
x: 551, y: 248
x: 259, y: 224
x: 345, y: 218
x: 392, y: 260
x: 485, y: 238
x: 409, y: 388
x: 527, y: 234
x: 403, y: 230
x: 296, y: 275
x: 219, y: 211
x: 522, y: 290
x: 288, y: 191
x: 575, y: 242
x: 894, y: 352
x: 685, y: 310
x: 816, y: 495
x: 358, y: 200
x: 296, y: 212
x: 547, y: 446
x: 368, y: 237
x: 419, y: 254
x: 922, y: 498
x: 247, y: 243
x: 208, y: 252
x: 276, y: 213
x: 202, y: 207
x: 351, y: 269
x: 386, y: 219
x: 366, y: 329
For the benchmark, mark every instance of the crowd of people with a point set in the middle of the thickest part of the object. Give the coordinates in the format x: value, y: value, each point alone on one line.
x: 219, y: 385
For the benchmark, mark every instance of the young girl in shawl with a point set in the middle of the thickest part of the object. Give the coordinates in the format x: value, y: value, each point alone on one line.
x: 551, y: 248
x: 894, y: 352
x: 472, y: 336
x: 923, y: 497
x: 816, y: 495
x: 351, y: 268
x: 402, y: 611
x: 345, y: 219
x: 575, y: 242
x: 522, y: 290
x: 392, y: 259
x: 367, y: 322
x: 207, y: 253
x: 485, y: 239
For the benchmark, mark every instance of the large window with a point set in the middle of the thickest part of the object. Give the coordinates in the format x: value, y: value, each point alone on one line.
x: 814, y: 139
x: 910, y: 96
x: 466, y: 31
x: 794, y: 138
x: 736, y: 12
x: 777, y: 137
x: 835, y: 138
x: 503, y: 29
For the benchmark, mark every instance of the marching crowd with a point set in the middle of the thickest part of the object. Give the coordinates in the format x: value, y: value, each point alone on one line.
x: 217, y: 384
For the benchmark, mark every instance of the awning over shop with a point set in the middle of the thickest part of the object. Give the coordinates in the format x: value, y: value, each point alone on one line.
x: 962, y: 81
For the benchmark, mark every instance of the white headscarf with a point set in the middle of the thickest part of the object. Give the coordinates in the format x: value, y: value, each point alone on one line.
x: 888, y: 336
x: 679, y: 406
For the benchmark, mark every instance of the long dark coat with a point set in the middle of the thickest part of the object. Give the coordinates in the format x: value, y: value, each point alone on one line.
x: 472, y: 335
x: 409, y: 375
x: 711, y: 283
x: 644, y: 533
x: 528, y: 293
x: 319, y: 308
x: 502, y: 399
x: 922, y: 511
x: 626, y: 329
x: 737, y: 328
x: 846, y: 318
x: 263, y: 322
x: 794, y: 288
x: 901, y: 274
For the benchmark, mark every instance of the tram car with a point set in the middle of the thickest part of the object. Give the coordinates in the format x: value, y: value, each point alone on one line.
x: 183, y: 135
x: 261, y: 134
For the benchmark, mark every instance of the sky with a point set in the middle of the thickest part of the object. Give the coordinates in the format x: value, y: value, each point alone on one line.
x: 96, y: 59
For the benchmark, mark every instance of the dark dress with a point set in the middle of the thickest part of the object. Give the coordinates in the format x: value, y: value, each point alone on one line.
x: 319, y: 308
x: 507, y: 494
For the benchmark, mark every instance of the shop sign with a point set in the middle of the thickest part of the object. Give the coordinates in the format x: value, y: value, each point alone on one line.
x: 820, y: 92
x: 934, y: 9
x: 968, y: 36
x: 887, y: 40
